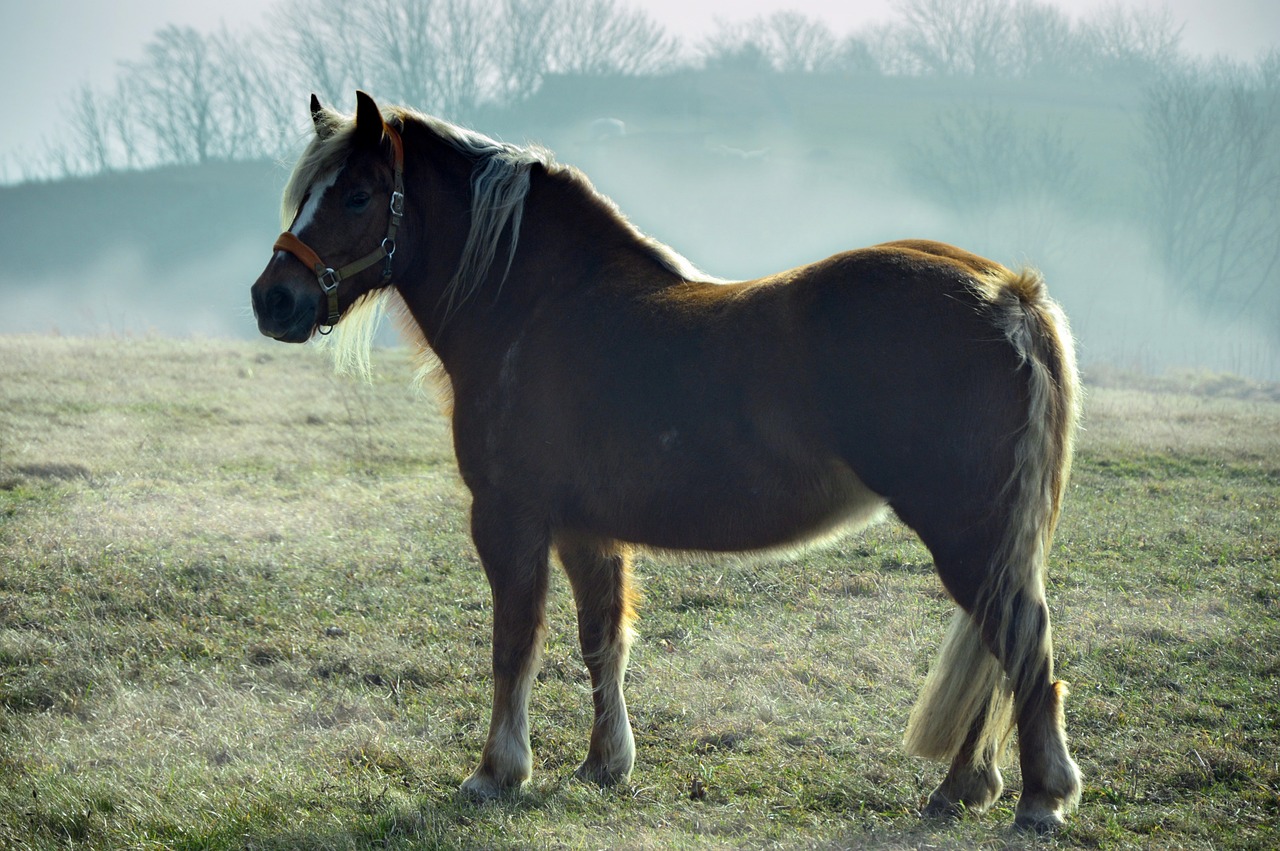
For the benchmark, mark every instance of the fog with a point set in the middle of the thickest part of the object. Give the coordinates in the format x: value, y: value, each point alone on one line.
x: 1143, y: 188
x: 120, y: 294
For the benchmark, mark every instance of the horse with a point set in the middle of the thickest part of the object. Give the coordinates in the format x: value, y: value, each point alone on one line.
x: 607, y: 399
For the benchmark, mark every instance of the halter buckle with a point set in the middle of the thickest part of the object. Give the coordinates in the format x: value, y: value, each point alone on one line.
x: 397, y: 203
x: 329, y: 279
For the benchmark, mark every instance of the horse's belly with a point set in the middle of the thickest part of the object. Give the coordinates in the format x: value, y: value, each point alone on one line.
x: 755, y: 508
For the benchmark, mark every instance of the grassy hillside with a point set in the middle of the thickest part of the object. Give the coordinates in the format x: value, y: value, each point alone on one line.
x: 238, y: 608
x: 172, y: 216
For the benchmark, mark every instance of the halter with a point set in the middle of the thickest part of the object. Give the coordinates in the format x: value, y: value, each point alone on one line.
x: 326, y: 275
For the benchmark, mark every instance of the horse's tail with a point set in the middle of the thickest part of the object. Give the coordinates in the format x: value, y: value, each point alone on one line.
x: 968, y: 689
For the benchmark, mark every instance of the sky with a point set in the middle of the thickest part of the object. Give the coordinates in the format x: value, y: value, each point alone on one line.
x: 52, y: 47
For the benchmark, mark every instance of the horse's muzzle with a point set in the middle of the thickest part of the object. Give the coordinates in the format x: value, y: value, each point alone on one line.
x: 285, y: 310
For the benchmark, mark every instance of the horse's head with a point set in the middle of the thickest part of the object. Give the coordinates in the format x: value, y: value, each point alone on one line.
x: 345, y: 202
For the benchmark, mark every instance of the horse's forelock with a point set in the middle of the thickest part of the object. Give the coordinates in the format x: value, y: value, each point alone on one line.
x: 321, y: 158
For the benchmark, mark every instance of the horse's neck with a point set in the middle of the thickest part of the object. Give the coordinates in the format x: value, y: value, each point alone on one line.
x: 570, y: 242
x: 437, y: 194
x: 574, y: 240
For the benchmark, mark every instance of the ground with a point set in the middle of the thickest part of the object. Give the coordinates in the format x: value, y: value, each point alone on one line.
x: 238, y: 608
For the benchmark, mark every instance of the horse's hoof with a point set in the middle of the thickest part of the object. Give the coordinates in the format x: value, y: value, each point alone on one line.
x: 941, y: 809
x: 1041, y: 822
x: 482, y: 788
x: 967, y: 791
x: 599, y: 774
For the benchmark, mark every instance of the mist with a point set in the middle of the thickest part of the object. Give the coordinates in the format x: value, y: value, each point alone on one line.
x: 1137, y: 185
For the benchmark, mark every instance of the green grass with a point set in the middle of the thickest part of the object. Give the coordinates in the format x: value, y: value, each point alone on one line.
x: 239, y: 609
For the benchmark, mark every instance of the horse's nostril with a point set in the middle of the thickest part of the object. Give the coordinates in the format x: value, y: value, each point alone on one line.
x: 279, y: 303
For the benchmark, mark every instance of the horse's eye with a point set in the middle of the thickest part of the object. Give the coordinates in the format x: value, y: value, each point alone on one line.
x: 357, y: 201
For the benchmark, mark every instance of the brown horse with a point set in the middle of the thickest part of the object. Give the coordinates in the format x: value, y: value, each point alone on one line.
x: 607, y: 397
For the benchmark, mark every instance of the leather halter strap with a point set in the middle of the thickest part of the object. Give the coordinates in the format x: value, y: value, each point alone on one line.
x: 326, y: 275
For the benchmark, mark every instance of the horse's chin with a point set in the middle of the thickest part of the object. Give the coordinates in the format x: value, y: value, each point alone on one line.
x: 299, y: 333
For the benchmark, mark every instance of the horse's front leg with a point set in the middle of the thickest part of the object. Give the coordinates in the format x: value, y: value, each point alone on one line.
x: 599, y: 572
x: 514, y: 554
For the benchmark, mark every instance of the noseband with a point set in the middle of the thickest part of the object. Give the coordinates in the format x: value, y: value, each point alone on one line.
x: 326, y: 275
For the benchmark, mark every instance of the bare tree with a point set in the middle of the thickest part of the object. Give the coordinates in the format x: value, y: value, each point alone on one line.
x: 126, y: 129
x: 176, y: 97
x: 1043, y: 41
x: 800, y: 43
x: 1212, y: 155
x: 736, y: 45
x: 200, y: 97
x: 90, y: 130
x: 464, y: 73
x: 858, y: 57
x: 604, y: 37
x: 521, y: 51
x: 253, y: 106
x: 956, y: 37
x: 434, y: 54
x: 999, y: 171
x: 786, y: 41
x: 402, y: 66
x: 1134, y: 42
x: 451, y: 56
x: 323, y: 47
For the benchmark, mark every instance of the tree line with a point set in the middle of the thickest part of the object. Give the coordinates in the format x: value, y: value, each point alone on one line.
x: 194, y: 96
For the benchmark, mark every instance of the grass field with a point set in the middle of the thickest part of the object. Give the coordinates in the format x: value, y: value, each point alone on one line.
x: 239, y: 609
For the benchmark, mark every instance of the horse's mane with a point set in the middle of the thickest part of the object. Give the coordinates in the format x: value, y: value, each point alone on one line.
x: 499, y: 185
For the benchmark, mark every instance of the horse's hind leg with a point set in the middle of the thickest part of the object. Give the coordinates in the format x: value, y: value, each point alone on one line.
x: 1050, y: 778
x: 599, y: 572
x: 963, y: 716
x: 514, y: 555
x: 996, y: 665
x: 973, y: 781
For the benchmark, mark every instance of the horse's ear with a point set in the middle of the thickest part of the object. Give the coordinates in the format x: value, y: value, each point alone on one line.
x: 369, y: 126
x: 320, y: 118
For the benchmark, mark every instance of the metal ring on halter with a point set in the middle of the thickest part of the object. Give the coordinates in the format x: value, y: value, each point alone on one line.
x: 389, y: 247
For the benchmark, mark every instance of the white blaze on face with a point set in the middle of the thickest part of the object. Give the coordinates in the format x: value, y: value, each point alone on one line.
x: 315, y: 197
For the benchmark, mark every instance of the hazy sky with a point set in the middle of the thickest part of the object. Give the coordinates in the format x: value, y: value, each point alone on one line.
x: 50, y: 47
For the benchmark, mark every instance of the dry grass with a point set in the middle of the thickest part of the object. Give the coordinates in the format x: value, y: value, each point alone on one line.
x: 238, y: 608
